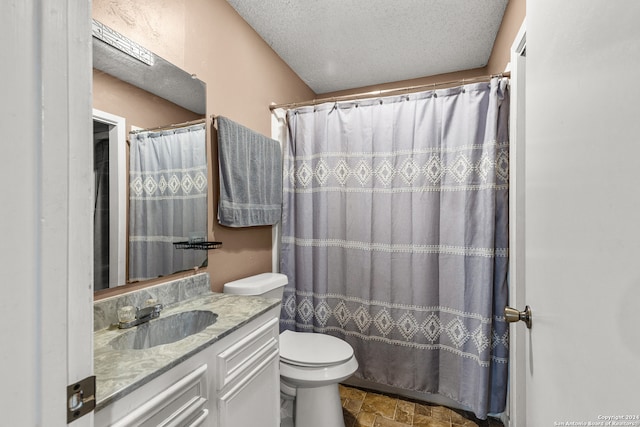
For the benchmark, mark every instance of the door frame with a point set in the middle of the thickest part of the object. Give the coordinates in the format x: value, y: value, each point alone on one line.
x: 117, y: 195
x: 517, y: 409
x: 46, y: 306
x: 278, y: 133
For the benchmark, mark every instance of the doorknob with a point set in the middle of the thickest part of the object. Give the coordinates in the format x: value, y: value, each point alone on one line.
x: 513, y: 315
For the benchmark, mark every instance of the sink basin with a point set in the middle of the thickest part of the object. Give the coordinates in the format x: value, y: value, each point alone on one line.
x: 164, y: 330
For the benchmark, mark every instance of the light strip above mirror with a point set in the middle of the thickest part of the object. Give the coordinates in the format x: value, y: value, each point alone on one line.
x: 122, y: 43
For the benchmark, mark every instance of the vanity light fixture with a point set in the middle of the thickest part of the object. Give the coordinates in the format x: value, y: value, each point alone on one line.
x: 122, y: 43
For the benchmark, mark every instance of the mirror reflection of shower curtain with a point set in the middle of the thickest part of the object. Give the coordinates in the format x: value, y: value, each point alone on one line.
x: 167, y: 201
x: 394, y: 237
x: 101, y: 215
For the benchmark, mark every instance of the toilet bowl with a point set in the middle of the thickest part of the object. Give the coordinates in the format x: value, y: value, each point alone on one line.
x: 311, y: 365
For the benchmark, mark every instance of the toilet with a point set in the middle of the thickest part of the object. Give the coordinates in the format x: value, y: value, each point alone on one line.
x: 311, y: 365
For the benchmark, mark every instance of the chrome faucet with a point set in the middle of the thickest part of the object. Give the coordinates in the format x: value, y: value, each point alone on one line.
x: 143, y: 315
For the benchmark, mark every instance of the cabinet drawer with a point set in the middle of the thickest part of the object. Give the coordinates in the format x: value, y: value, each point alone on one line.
x: 181, y: 403
x: 249, y: 350
x: 200, y: 420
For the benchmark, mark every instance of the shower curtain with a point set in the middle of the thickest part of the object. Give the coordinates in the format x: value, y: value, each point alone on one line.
x: 395, y: 226
x: 167, y: 200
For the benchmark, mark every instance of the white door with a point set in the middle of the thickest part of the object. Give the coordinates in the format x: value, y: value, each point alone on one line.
x: 45, y: 246
x: 582, y: 213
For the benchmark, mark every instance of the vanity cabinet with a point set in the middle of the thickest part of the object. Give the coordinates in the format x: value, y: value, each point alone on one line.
x: 232, y: 383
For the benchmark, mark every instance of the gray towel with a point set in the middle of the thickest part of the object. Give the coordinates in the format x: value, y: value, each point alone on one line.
x: 250, y: 176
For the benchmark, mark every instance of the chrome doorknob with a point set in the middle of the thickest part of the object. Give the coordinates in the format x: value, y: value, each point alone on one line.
x: 513, y: 315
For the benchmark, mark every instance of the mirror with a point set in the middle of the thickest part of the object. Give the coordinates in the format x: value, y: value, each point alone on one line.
x: 135, y: 89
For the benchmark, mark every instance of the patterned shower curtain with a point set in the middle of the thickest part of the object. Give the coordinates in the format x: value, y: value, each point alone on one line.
x: 395, y: 230
x: 167, y: 200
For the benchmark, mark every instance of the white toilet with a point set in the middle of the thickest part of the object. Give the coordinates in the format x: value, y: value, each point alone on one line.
x: 311, y: 365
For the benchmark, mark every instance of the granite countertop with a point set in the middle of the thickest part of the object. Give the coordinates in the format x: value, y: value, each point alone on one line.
x: 119, y: 372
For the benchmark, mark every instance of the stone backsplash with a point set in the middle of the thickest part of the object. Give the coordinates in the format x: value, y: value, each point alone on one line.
x: 105, y: 312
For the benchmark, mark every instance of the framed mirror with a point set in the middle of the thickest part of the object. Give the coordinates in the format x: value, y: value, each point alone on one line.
x: 136, y: 90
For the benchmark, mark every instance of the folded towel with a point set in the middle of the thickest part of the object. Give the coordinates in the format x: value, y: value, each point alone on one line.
x: 250, y: 176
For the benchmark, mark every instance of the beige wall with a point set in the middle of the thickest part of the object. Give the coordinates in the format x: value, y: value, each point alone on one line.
x: 243, y: 76
x: 139, y: 108
x: 157, y: 25
x: 511, y: 22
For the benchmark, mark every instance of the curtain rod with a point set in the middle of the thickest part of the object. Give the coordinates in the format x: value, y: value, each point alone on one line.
x: 171, y: 126
x: 375, y: 93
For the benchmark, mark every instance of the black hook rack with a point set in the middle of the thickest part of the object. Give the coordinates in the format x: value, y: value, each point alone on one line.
x: 203, y: 246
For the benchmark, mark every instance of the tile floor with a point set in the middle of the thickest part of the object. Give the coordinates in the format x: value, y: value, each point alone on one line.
x: 371, y: 409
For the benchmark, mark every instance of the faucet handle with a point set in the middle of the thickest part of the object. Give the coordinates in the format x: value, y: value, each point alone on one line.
x: 127, y: 313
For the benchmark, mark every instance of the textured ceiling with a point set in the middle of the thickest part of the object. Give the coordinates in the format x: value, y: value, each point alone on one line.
x: 341, y: 44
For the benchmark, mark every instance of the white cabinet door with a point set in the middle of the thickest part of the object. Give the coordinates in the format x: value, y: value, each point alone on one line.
x: 248, y: 379
x: 253, y: 401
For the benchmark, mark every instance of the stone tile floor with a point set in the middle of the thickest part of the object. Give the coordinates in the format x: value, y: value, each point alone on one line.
x: 370, y: 409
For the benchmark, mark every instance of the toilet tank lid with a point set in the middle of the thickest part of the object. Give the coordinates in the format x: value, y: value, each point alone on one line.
x: 256, y: 285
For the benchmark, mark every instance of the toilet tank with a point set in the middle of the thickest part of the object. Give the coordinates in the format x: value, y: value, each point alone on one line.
x: 268, y: 285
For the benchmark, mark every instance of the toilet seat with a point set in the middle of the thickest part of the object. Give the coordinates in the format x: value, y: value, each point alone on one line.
x: 313, y: 350
x: 311, y: 367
